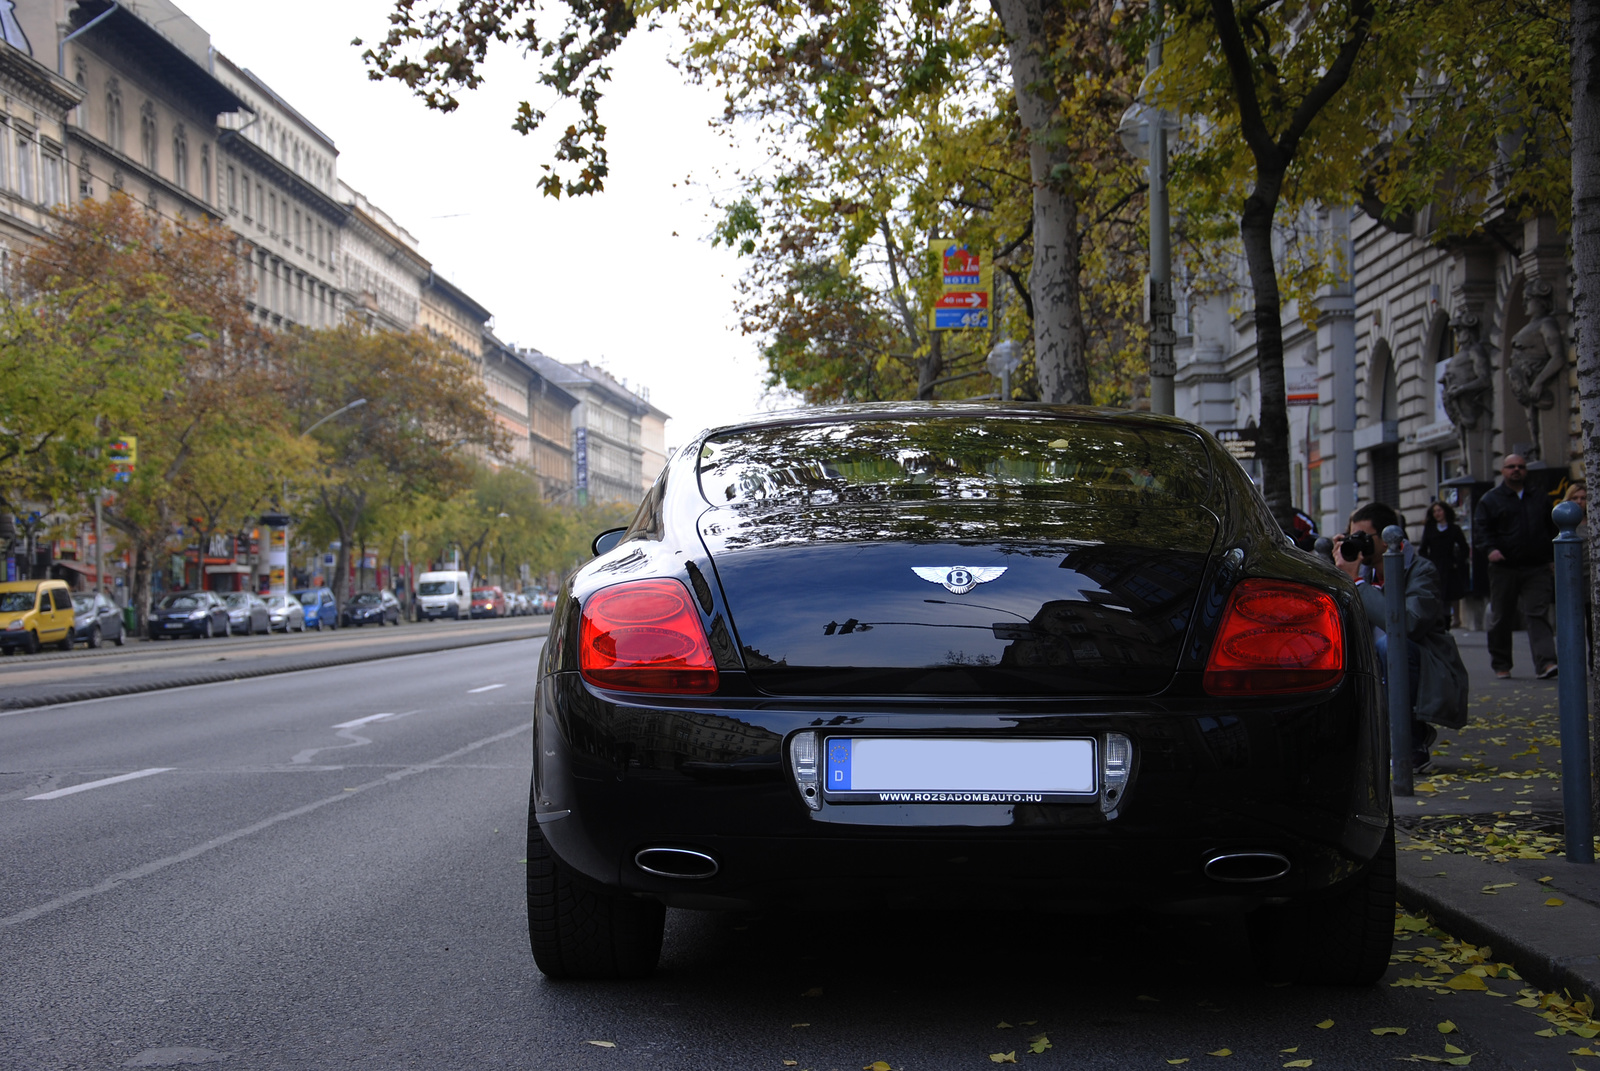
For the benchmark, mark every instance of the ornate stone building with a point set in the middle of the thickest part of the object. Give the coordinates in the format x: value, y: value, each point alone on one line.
x: 276, y: 178
x: 381, y: 271
x: 36, y: 105
x: 607, y: 435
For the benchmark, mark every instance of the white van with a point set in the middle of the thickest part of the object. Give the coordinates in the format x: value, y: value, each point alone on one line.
x: 444, y: 594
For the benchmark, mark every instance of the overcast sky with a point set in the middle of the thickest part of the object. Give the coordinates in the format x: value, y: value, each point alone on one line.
x: 626, y: 279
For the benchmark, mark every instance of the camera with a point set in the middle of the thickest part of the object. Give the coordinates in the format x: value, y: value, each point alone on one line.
x: 1356, y: 545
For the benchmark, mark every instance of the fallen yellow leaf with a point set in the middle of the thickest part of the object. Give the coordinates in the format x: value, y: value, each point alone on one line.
x: 1490, y: 889
x: 1547, y: 877
x: 1585, y: 1031
x: 814, y: 991
x: 1221, y: 1052
x: 1002, y: 1025
x: 1004, y: 1057
x: 794, y: 1026
x: 1452, y: 1049
x: 1298, y: 1063
x: 1527, y: 1002
x: 877, y: 1065
x: 1152, y: 1000
x: 1179, y: 1060
x: 1392, y: 1031
x: 1582, y: 1050
x: 1326, y: 1024
x: 1295, y: 1049
x: 1447, y: 1027
x: 604, y: 1044
x: 1545, y: 1033
x: 1038, y: 1044
x: 790, y: 1063
x: 1553, y: 902
x: 1466, y: 981
x: 1027, y: 1022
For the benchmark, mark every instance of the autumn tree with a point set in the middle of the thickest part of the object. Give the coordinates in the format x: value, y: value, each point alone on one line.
x: 221, y: 388
x: 424, y: 415
x: 832, y: 80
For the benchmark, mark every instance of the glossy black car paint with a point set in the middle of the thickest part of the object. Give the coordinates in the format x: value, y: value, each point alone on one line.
x: 1304, y: 776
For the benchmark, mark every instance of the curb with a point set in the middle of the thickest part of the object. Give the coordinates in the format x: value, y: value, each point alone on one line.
x: 32, y: 702
x: 1554, y: 948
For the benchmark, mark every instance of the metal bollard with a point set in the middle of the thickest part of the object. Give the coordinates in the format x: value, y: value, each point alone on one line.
x: 1399, y: 669
x: 1572, y: 689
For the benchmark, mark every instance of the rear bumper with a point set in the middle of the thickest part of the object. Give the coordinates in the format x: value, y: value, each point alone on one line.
x: 1301, y: 781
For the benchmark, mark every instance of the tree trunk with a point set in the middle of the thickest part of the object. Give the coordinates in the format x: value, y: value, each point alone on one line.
x: 341, y: 564
x: 1059, y: 339
x: 1586, y: 300
x: 139, y: 596
x: 931, y: 367
x: 1272, y: 436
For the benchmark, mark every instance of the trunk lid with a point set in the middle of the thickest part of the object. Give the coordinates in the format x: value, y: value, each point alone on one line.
x: 956, y: 597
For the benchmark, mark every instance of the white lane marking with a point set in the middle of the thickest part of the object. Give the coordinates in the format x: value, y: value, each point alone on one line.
x: 485, y: 688
x: 116, y: 881
x: 362, y: 721
x: 102, y: 783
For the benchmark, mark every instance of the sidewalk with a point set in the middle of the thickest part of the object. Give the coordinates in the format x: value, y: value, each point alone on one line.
x: 1481, y: 844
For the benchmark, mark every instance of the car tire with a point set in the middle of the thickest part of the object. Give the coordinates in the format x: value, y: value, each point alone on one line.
x: 580, y: 932
x: 1342, y: 939
x: 227, y: 629
x: 95, y: 640
x: 205, y: 630
x: 31, y: 644
x: 122, y: 636
x: 250, y: 627
x: 67, y: 641
x: 319, y: 624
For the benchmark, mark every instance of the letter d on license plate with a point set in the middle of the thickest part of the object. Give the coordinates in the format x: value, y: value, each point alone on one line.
x: 918, y: 770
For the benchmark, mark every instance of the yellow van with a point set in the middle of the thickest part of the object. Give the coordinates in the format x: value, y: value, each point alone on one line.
x: 35, y: 612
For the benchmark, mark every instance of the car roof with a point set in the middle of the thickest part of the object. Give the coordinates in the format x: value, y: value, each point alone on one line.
x: 30, y: 585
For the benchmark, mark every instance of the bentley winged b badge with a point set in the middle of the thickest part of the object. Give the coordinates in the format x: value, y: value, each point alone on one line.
x: 958, y: 579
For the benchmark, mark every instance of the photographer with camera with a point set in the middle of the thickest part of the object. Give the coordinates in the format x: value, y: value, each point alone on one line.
x: 1438, y: 678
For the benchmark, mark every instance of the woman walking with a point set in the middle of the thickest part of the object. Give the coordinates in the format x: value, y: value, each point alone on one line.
x: 1445, y: 546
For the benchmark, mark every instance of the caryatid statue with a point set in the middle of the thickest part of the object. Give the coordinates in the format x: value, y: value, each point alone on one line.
x: 1538, y: 355
x: 1468, y: 383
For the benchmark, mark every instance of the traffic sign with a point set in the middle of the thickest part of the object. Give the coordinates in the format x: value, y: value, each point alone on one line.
x: 965, y: 300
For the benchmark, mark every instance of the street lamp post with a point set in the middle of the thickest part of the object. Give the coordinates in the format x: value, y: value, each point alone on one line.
x: 278, y: 523
x: 1144, y: 135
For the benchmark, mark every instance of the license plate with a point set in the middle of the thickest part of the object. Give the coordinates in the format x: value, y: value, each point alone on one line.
x: 920, y: 770
x: 174, y: 624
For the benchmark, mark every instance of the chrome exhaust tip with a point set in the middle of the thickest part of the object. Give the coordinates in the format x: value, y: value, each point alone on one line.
x: 685, y: 863
x: 1246, y: 867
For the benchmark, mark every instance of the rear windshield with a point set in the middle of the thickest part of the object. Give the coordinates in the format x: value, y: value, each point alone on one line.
x: 436, y: 587
x: 1043, y: 458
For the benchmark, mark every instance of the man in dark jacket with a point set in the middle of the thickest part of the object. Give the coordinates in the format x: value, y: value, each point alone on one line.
x: 1438, y: 679
x: 1512, y: 524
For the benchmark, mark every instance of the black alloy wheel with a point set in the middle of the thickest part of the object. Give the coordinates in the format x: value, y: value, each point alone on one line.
x: 1343, y: 939
x: 580, y: 932
x: 95, y: 640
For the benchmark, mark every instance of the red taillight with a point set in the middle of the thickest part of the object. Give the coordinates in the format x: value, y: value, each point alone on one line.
x: 645, y: 636
x: 1276, y: 637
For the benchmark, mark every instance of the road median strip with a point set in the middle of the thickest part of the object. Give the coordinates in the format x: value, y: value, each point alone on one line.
x: 16, y: 703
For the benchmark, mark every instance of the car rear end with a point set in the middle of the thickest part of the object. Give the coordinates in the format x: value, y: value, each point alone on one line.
x: 1018, y: 661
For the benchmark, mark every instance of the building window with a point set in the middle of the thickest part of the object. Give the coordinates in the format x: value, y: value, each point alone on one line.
x: 147, y: 135
x: 50, y: 175
x: 205, y: 173
x: 114, y: 114
x: 85, y: 190
x: 233, y: 190
x: 180, y: 157
x: 272, y: 213
x: 298, y: 243
x: 25, y: 184
x: 261, y: 206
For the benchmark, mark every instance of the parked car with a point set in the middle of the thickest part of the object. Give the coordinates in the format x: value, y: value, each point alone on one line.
x: 247, y: 612
x: 488, y: 602
x: 959, y: 654
x: 372, y: 608
x: 518, y: 604
x: 33, y: 613
x: 543, y: 602
x: 445, y: 593
x: 320, y: 608
x: 285, y: 614
x: 97, y: 619
x: 189, y: 613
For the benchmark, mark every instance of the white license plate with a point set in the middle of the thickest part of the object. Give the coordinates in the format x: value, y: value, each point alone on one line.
x: 963, y: 770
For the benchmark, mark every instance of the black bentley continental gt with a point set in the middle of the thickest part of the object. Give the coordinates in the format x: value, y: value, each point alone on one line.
x: 964, y: 655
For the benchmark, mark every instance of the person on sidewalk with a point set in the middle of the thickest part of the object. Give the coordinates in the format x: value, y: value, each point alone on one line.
x: 1445, y: 546
x: 1438, y: 678
x: 1513, y: 526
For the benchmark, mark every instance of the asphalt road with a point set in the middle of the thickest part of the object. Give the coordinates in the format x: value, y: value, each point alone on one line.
x: 276, y: 891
